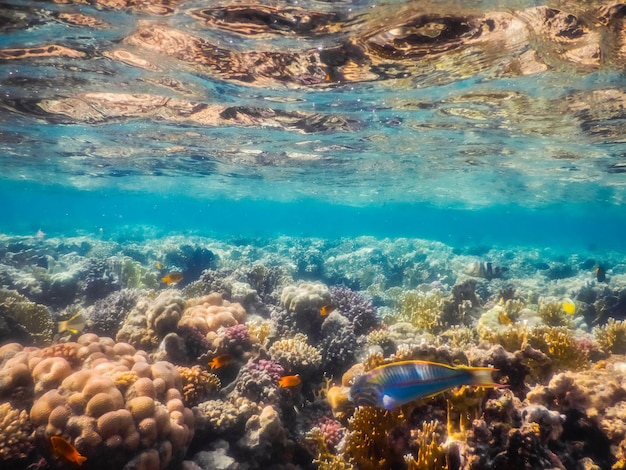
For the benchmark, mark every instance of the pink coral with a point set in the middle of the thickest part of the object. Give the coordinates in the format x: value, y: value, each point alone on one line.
x: 211, y: 312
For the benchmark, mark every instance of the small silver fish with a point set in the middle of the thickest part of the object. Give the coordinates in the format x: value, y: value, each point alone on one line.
x: 392, y: 385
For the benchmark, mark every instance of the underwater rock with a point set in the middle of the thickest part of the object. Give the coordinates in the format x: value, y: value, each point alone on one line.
x: 216, y: 459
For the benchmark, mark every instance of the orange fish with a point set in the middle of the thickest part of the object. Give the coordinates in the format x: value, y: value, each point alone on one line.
x: 66, y: 450
x: 289, y: 381
x: 220, y: 361
x: 172, y: 278
x: 326, y: 309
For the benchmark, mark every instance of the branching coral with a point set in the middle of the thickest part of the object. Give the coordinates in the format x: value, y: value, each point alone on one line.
x: 559, y: 344
x: 367, y: 442
x: 553, y: 314
x: 422, y: 310
x: 16, y: 438
x: 296, y: 355
x: 198, y: 384
x: 355, y: 307
x: 430, y: 453
x: 612, y: 336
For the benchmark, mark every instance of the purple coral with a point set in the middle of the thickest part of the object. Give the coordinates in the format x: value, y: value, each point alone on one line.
x: 355, y: 307
x: 331, y: 429
x: 273, y: 369
x: 237, y: 334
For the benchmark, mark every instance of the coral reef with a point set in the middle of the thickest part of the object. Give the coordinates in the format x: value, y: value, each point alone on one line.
x: 96, y: 402
x: 211, y: 312
x: 355, y: 307
x: 296, y: 356
x: 106, y: 316
x: 255, y: 317
x: 23, y: 320
x: 16, y: 439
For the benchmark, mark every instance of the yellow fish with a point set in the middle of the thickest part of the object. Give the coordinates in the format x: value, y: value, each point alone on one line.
x: 504, y: 318
x: 158, y: 265
x: 172, y: 278
x: 74, y: 325
x: 66, y: 450
x: 569, y: 306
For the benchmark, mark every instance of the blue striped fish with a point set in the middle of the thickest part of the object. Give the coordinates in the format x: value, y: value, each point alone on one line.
x: 395, y: 384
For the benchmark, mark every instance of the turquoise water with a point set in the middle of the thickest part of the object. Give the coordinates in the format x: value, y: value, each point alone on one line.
x: 114, y: 214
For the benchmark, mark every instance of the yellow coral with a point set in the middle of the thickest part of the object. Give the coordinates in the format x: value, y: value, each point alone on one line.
x: 198, y: 384
x: 430, y: 454
x: 378, y: 337
x: 422, y: 310
x: 260, y: 330
x: 123, y: 380
x: 367, y: 446
x: 16, y: 437
x: 560, y: 345
x: 612, y: 336
x: 325, y: 459
x: 512, y: 338
x: 459, y: 336
x: 464, y: 406
x: 552, y: 314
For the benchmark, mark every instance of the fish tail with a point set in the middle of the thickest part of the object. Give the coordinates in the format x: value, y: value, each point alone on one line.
x: 482, y: 377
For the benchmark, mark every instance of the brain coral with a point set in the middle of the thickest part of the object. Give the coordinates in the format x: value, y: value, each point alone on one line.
x: 110, y: 400
x: 210, y: 312
x: 305, y: 297
x: 151, y: 320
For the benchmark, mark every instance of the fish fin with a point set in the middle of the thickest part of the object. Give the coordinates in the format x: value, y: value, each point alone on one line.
x: 389, y: 403
x: 81, y: 459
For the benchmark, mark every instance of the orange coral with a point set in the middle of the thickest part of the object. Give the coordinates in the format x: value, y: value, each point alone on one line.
x: 198, y: 384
